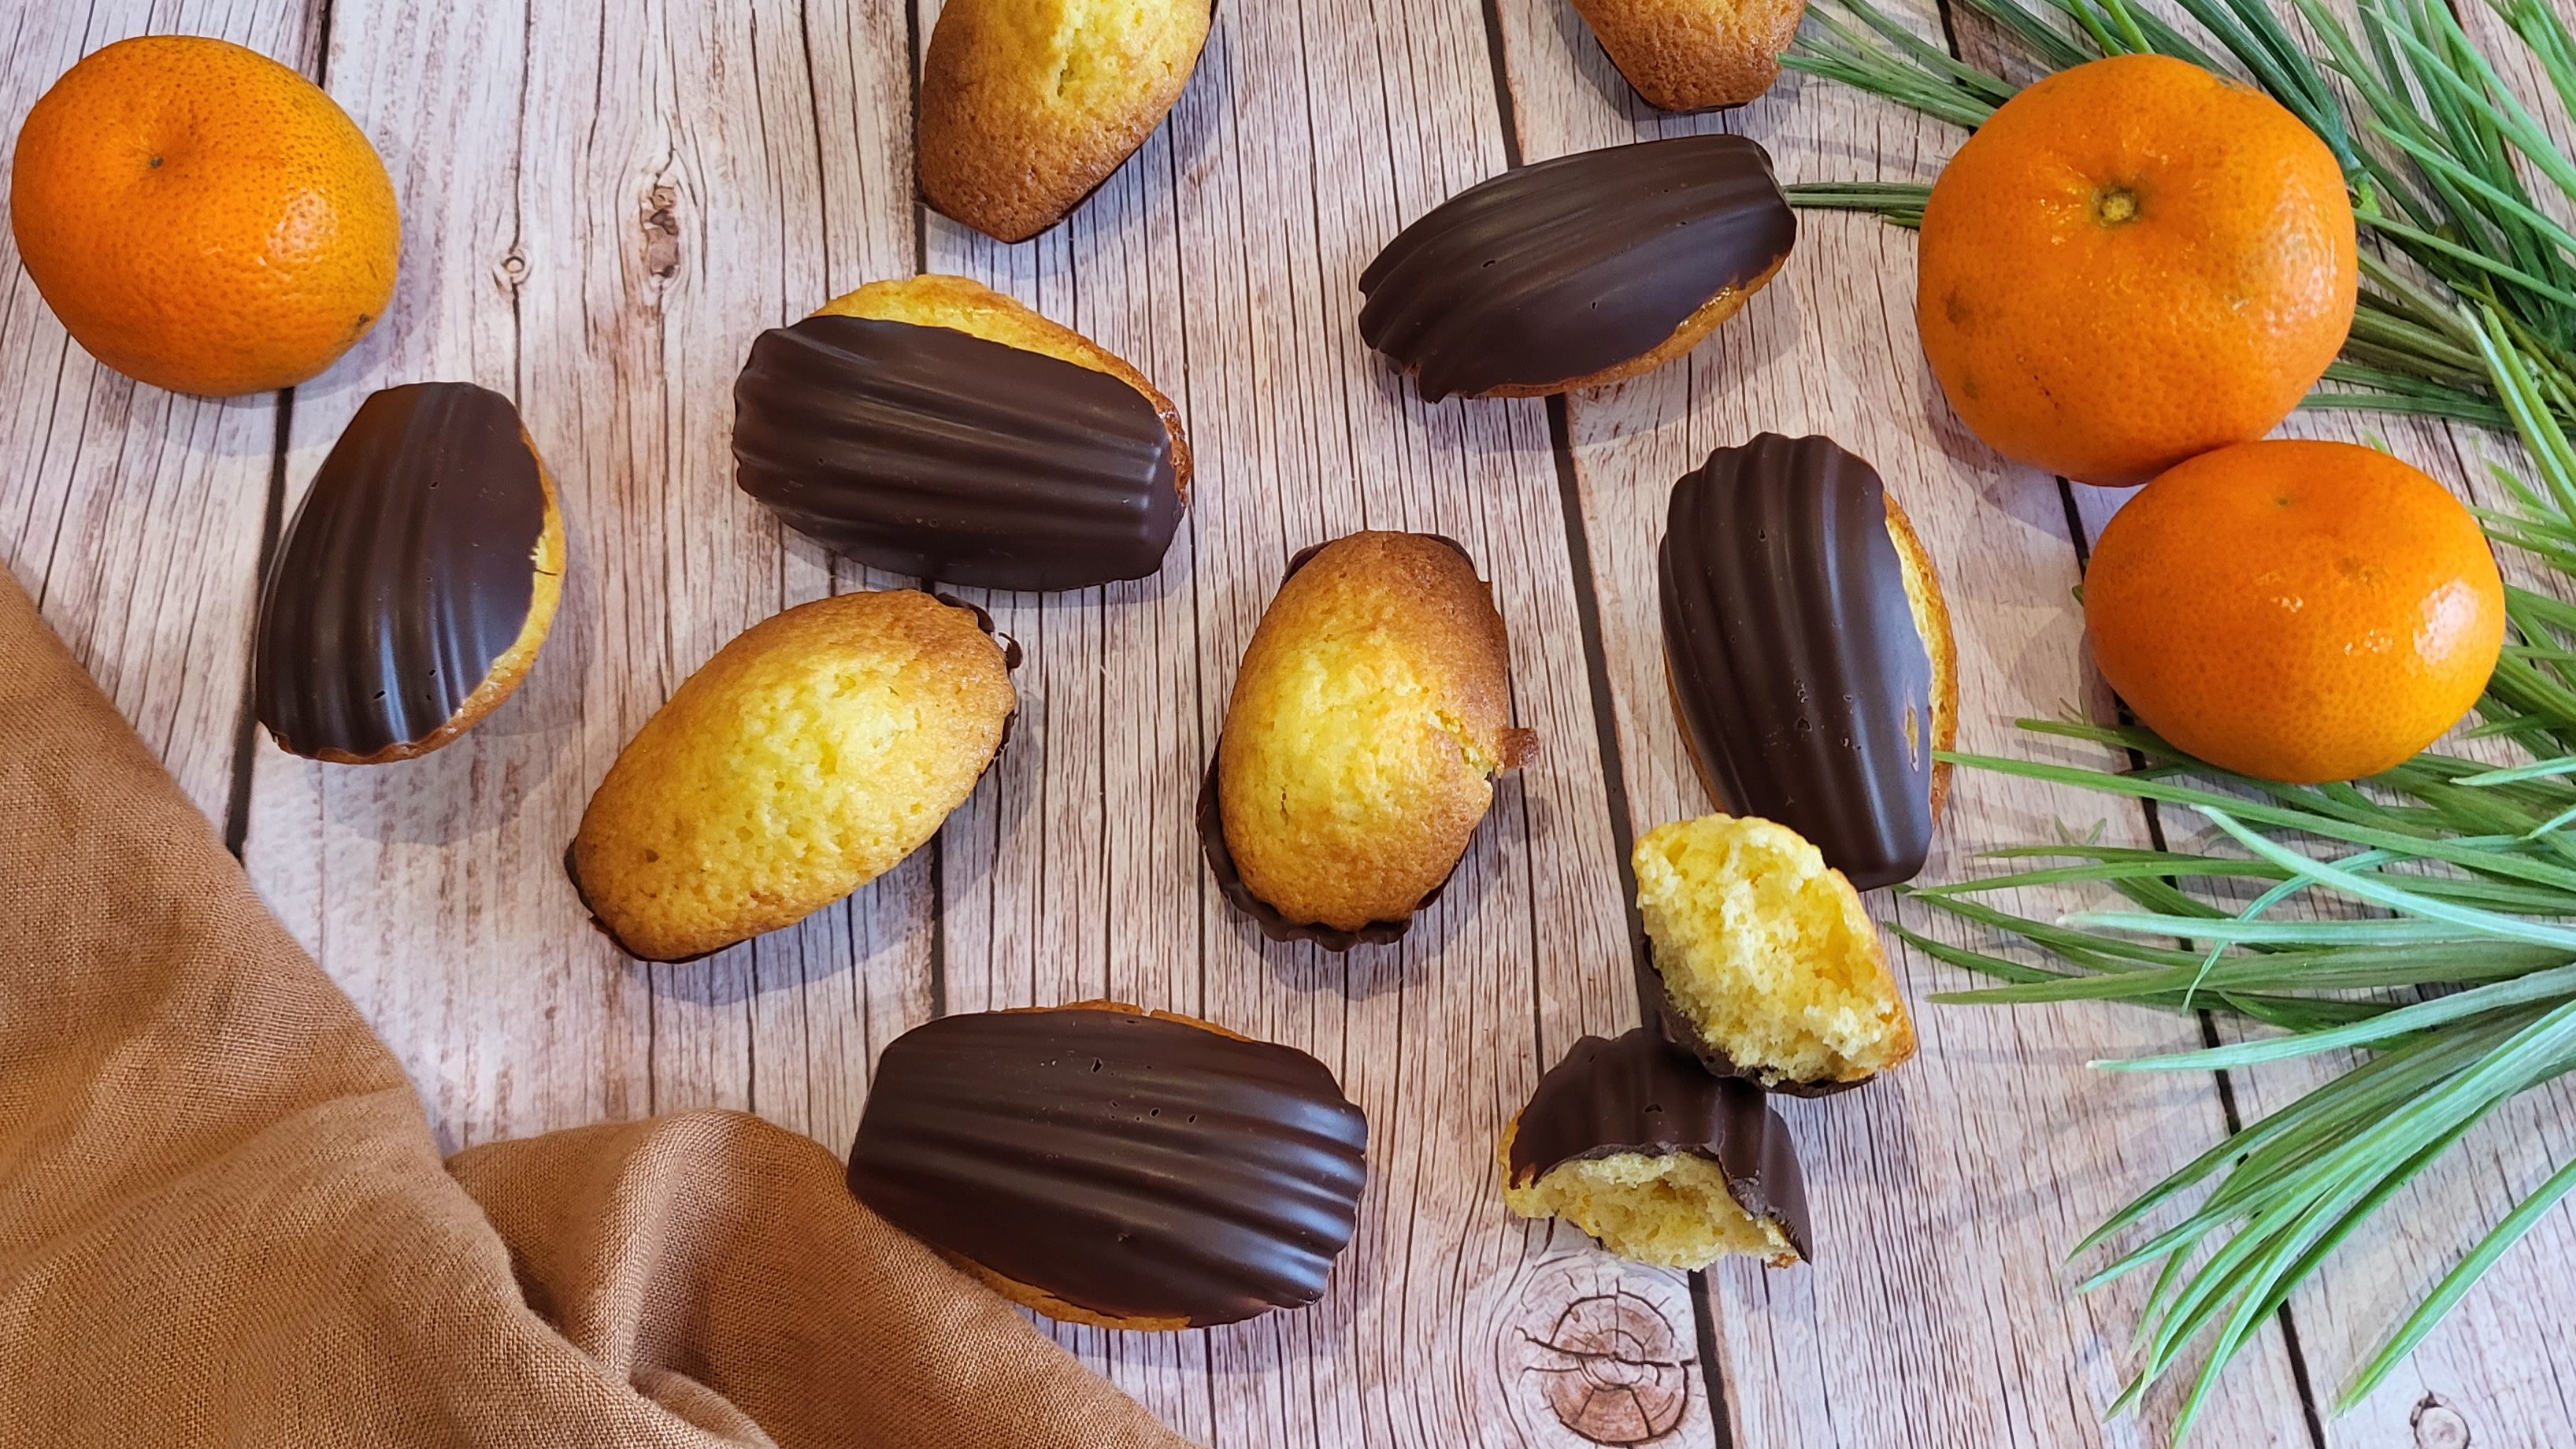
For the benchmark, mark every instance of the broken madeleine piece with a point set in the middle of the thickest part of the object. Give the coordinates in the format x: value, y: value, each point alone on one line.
x: 1771, y: 970
x: 1636, y: 1144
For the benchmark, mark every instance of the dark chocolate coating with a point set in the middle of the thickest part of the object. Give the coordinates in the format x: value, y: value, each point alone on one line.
x: 1801, y: 682
x: 408, y: 571
x: 1554, y: 272
x: 928, y: 451
x: 1134, y: 1166
x: 1640, y: 1093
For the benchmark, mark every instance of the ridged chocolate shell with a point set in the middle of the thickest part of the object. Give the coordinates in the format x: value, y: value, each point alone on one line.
x: 1802, y: 685
x: 1640, y: 1093
x: 1135, y: 1166
x: 408, y: 572
x: 929, y: 451
x: 1564, y: 269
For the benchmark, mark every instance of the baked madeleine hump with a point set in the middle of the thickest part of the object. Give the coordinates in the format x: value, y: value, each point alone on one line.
x: 1370, y: 716
x: 805, y: 759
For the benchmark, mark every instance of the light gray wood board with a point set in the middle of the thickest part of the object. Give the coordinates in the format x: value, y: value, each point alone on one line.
x: 1946, y: 1195
x: 601, y: 211
x: 133, y: 515
x: 1223, y: 260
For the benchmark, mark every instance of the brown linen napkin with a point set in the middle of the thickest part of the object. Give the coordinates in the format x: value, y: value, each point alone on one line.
x: 223, y: 1219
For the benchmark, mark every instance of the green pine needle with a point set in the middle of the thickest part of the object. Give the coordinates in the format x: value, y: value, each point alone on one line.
x: 2440, y: 950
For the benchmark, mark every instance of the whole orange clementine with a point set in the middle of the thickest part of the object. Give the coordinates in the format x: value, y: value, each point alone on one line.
x: 2131, y: 262
x: 2295, y: 611
x: 201, y: 217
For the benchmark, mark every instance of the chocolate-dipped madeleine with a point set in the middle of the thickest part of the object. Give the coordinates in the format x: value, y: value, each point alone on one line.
x: 1112, y: 1166
x: 1768, y: 966
x: 1372, y: 711
x: 1632, y: 1142
x: 935, y: 427
x: 416, y: 583
x: 1695, y: 55
x: 1578, y: 271
x: 808, y: 757
x: 1809, y: 651
x: 1028, y: 105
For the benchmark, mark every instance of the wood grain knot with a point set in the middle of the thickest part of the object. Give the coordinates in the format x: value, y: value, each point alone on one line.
x: 661, y: 230
x: 1614, y: 1370
x: 2437, y: 1425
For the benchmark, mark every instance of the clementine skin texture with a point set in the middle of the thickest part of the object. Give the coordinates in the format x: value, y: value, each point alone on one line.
x: 202, y: 218
x: 2132, y: 262
x: 2296, y: 611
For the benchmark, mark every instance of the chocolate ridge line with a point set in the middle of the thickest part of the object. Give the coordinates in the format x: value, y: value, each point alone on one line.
x: 931, y: 451
x: 1792, y: 654
x: 1140, y: 1166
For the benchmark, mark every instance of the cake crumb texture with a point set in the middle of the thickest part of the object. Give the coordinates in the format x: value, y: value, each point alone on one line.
x: 1767, y: 954
x: 1670, y: 1210
x: 808, y: 757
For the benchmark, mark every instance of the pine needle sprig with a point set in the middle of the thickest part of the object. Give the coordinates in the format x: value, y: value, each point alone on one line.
x: 2439, y: 960
x: 2432, y: 956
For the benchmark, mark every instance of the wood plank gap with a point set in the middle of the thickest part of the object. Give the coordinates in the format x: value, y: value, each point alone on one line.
x: 938, y: 846
x: 246, y: 716
x: 1596, y: 668
x: 272, y: 524
x: 2229, y: 1112
x: 1623, y: 830
x: 1721, y: 1414
x: 1200, y: 749
x: 920, y: 260
x: 322, y: 45
x: 1512, y: 159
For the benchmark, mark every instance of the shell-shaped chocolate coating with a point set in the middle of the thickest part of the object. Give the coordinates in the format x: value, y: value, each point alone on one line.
x: 1800, y: 678
x: 408, y: 573
x: 1564, y: 269
x: 1640, y: 1093
x: 1135, y: 1166
x: 933, y: 452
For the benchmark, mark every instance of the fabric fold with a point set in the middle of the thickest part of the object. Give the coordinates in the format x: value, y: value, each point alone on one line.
x: 223, y: 1218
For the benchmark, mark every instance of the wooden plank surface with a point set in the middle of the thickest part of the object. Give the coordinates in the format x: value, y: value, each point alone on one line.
x: 1946, y: 1195
x: 602, y: 209
x: 1224, y: 262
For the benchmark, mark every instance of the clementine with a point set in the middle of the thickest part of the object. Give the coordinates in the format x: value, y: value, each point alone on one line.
x: 201, y: 217
x: 2295, y: 611
x: 2131, y: 262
